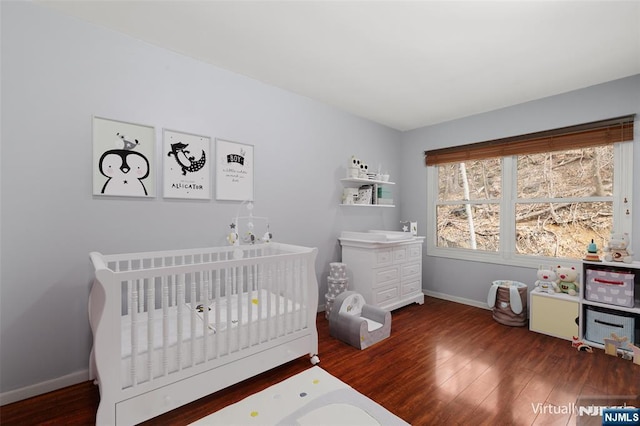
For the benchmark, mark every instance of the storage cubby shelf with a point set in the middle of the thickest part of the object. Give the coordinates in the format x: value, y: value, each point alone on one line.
x: 555, y: 314
x: 633, y: 268
x: 608, y: 308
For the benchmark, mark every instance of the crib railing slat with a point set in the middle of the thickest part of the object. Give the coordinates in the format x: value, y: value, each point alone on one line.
x: 251, y: 306
x: 227, y: 292
x: 180, y: 320
x: 134, y: 332
x: 165, y: 326
x: 194, y: 304
x: 237, y: 288
x: 278, y: 309
x: 204, y: 299
x: 217, y: 295
x: 294, y: 296
x: 150, y: 327
x: 267, y: 286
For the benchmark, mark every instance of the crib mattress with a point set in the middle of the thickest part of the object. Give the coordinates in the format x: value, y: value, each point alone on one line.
x: 242, y: 320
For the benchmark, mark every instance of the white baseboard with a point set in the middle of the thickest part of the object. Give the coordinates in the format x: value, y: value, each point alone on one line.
x: 44, y: 387
x: 456, y: 299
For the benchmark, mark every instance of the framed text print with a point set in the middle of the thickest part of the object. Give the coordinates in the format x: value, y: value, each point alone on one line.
x: 234, y: 171
x: 123, y: 159
x: 187, y: 168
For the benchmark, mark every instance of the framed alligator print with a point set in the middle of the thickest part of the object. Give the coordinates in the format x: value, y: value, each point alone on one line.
x: 187, y: 165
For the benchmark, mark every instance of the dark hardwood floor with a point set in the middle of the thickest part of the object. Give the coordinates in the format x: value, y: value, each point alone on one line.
x: 445, y: 363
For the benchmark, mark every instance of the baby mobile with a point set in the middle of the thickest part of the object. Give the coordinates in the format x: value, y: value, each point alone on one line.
x: 248, y: 224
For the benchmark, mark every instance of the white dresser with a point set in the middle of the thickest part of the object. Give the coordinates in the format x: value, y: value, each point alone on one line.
x: 388, y: 274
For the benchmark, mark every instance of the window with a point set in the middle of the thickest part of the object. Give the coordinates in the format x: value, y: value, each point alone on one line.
x: 532, y: 203
x: 564, y: 199
x: 468, y: 205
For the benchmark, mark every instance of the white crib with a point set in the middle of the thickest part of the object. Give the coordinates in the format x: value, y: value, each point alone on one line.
x: 170, y: 327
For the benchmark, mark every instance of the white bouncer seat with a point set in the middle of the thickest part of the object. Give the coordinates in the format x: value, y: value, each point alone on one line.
x: 356, y: 323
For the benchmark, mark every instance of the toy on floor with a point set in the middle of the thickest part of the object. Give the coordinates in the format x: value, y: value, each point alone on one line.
x: 546, y: 282
x: 617, y: 249
x: 612, y: 344
x: 592, y: 253
x: 626, y: 355
x: 356, y: 323
x: 580, y: 345
x: 636, y: 353
x: 567, y: 280
x: 508, y: 301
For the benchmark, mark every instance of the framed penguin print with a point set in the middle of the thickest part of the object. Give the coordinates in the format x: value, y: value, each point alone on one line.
x: 123, y: 159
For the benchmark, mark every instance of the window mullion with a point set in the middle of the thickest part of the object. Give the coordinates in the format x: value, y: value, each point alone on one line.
x: 432, y: 203
x: 506, y: 246
x: 623, y: 188
x: 507, y: 224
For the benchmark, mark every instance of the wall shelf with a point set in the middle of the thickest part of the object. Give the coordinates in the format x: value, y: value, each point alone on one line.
x: 368, y: 205
x: 361, y: 181
x: 357, y: 182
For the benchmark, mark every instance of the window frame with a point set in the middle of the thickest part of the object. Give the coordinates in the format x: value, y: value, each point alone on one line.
x: 506, y: 255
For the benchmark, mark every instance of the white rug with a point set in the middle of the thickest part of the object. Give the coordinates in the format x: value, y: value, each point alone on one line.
x: 313, y: 397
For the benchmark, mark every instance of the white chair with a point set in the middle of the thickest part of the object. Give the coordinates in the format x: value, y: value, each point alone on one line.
x: 356, y: 323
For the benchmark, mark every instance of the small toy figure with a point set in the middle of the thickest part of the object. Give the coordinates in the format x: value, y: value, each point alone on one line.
x: 592, y: 253
x: 636, y: 353
x: 267, y: 235
x: 617, y: 249
x: 546, y: 282
x: 364, y: 169
x: 353, y: 170
x: 232, y: 237
x: 612, y: 344
x: 580, y: 345
x: 567, y: 280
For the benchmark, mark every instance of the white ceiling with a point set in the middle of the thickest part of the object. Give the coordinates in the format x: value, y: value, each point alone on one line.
x: 404, y: 64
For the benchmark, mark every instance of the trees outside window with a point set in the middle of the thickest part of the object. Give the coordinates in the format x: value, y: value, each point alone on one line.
x: 564, y: 200
x: 527, y: 206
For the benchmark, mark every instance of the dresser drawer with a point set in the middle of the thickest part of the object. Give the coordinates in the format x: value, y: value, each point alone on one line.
x: 385, y: 295
x: 411, y: 269
x: 383, y: 257
x: 385, y: 276
x: 399, y: 255
x: 411, y: 287
x: 414, y: 252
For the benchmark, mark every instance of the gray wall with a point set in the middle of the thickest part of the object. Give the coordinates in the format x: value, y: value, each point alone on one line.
x: 56, y: 73
x: 469, y: 281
